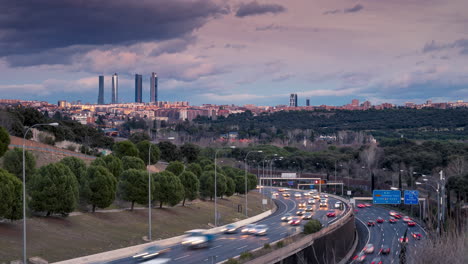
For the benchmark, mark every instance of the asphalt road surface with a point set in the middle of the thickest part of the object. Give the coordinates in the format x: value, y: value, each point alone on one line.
x: 227, y: 246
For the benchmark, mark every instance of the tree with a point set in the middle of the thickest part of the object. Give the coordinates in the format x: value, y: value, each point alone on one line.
x: 143, y: 148
x: 133, y: 186
x: 207, y: 182
x: 240, y: 184
x: 13, y: 162
x: 195, y: 169
x: 191, y: 186
x: 132, y: 163
x: 11, y: 196
x: 78, y: 168
x: 137, y: 137
x: 101, y: 187
x: 168, y: 188
x: 54, y: 189
x: 110, y: 162
x: 312, y: 226
x: 125, y: 148
x: 4, y: 140
x: 230, y: 187
x: 190, y: 152
x: 176, y: 167
x: 169, y: 151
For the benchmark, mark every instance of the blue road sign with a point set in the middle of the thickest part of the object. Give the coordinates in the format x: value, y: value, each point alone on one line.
x: 411, y: 197
x: 290, y: 183
x: 312, y: 186
x: 386, y: 197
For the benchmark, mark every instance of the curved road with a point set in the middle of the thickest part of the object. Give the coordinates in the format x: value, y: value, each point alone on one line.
x: 228, y: 246
x: 385, y: 234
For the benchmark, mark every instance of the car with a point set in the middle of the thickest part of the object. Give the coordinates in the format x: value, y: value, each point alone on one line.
x: 280, y: 190
x: 316, y: 196
x: 295, y: 221
x: 275, y: 194
x: 380, y: 220
x: 360, y: 257
x: 323, y: 204
x: 197, y: 238
x: 385, y: 250
x: 369, y: 249
x: 338, y: 205
x: 286, y: 194
x: 368, y: 204
x: 406, y: 219
x: 331, y: 213
x: 260, y: 230
x: 376, y: 260
x: 401, y: 240
x: 416, y: 235
x: 309, y: 209
x: 361, y: 206
x: 297, y: 195
x: 300, y: 212
x: 398, y: 216
x: 307, y: 216
x: 370, y: 223
x: 248, y: 229
x: 150, y: 252
x: 311, y: 201
x: 302, y: 204
x: 286, y: 217
x: 229, y: 229
x: 306, y: 194
x: 392, y: 220
x: 392, y: 213
x: 411, y: 223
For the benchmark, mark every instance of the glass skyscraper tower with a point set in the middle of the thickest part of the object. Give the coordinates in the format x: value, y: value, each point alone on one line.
x: 100, y: 99
x: 154, y: 88
x: 115, y: 89
x: 138, y: 88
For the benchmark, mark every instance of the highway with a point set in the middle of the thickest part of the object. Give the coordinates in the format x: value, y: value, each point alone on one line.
x: 385, y: 233
x: 227, y: 246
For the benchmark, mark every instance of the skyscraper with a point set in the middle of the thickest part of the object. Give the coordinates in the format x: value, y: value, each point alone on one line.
x: 138, y: 88
x: 154, y: 88
x: 307, y: 102
x: 115, y: 89
x: 293, y: 100
x: 100, y: 99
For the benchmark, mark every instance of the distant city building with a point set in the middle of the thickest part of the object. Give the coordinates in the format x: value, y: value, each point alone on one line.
x: 138, y: 88
x: 115, y: 89
x: 293, y: 100
x: 63, y: 104
x: 355, y: 102
x: 154, y: 88
x: 307, y: 102
x: 366, y: 105
x: 100, y: 99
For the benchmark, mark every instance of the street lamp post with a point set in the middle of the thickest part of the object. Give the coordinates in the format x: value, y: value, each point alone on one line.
x: 215, y: 183
x: 149, y: 192
x: 245, y: 160
x: 25, y: 260
x: 438, y: 201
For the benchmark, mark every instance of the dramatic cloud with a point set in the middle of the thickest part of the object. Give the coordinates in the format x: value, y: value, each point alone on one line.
x: 354, y: 9
x: 255, y: 8
x: 29, y: 26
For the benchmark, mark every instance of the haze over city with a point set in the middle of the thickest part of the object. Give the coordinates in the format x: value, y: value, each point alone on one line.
x: 241, y: 52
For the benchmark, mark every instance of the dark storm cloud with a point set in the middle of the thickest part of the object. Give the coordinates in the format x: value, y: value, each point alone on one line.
x: 460, y: 43
x: 34, y: 26
x: 254, y: 8
x: 354, y: 9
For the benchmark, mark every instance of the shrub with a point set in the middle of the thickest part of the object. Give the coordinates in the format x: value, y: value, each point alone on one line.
x: 266, y: 246
x: 280, y: 244
x: 312, y: 226
x: 245, y: 255
x: 71, y: 148
x: 232, y: 261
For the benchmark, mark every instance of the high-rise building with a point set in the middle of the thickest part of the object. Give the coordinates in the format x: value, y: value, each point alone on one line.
x: 100, y: 99
x: 154, y: 88
x: 293, y: 100
x: 115, y: 88
x: 307, y: 102
x: 138, y: 88
x: 355, y: 102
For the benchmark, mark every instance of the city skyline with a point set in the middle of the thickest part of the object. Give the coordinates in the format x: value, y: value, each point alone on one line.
x: 240, y: 52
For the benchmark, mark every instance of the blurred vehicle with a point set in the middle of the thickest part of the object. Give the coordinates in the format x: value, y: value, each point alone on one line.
x: 307, y: 216
x: 306, y: 194
x: 401, y: 240
x: 368, y: 204
x: 397, y: 215
x: 338, y: 205
x: 300, y: 212
x: 380, y: 220
x: 315, y: 196
x: 370, y: 223
x: 280, y: 190
x: 392, y: 213
x: 260, y: 230
x: 230, y: 229
x: 416, y: 235
x: 392, y: 220
x: 385, y: 250
x: 311, y: 201
x: 295, y: 221
x: 411, y: 223
x: 150, y: 252
x: 406, y: 219
x: 298, y: 195
x: 309, y: 209
x: 286, y: 217
x: 197, y: 238
x: 248, y: 229
x: 323, y: 204
x: 369, y: 249
x: 331, y: 213
x: 360, y: 257
x: 302, y: 204
x: 376, y: 260
x: 275, y: 194
x: 286, y: 194
x: 361, y: 206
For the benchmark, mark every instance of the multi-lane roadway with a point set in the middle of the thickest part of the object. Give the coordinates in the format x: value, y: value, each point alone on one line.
x: 228, y: 246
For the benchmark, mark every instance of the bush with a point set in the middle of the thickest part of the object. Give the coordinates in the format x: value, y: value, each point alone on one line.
x: 266, y: 246
x: 280, y: 244
x: 71, y: 148
x: 46, y: 139
x: 232, y: 261
x: 312, y: 226
x: 245, y: 255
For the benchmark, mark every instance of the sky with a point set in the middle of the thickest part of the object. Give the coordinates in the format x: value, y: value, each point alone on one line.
x: 236, y: 51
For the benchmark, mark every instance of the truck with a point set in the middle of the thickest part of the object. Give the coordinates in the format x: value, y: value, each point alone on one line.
x: 197, y: 238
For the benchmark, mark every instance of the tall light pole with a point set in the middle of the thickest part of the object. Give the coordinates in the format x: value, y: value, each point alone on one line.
x: 438, y: 201
x: 25, y: 259
x: 149, y: 192
x: 245, y: 160
x: 215, y: 183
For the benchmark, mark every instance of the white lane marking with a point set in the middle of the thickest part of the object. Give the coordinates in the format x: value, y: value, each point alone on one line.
x: 182, y: 257
x: 242, y: 247
x: 283, y: 233
x: 216, y: 247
